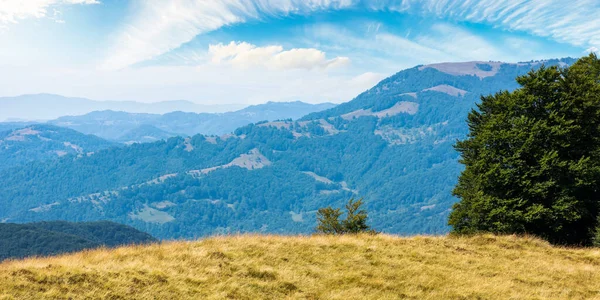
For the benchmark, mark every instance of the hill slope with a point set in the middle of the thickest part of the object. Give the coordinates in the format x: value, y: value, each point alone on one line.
x: 131, y: 127
x: 319, y: 267
x: 45, y: 142
x: 50, y: 238
x: 392, y: 145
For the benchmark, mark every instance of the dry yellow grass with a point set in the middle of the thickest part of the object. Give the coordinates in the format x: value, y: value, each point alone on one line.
x: 319, y: 267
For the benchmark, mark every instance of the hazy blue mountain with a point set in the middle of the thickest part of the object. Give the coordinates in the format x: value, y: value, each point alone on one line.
x: 145, y: 134
x: 44, y: 142
x: 51, y: 238
x: 392, y: 145
x: 134, y: 127
x: 48, y: 106
x: 6, y: 126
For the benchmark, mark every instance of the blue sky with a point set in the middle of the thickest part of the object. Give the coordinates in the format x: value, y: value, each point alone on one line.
x: 247, y: 52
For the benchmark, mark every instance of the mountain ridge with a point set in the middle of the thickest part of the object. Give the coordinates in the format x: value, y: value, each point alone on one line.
x: 120, y: 126
x: 46, y: 106
x: 392, y: 145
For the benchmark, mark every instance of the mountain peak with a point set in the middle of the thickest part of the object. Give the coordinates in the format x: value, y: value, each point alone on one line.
x: 480, y: 69
x: 454, y: 79
x: 483, y: 69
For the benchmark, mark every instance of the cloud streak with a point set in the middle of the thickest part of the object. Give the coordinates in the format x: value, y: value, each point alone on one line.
x: 574, y: 22
x: 441, y: 42
x: 12, y: 11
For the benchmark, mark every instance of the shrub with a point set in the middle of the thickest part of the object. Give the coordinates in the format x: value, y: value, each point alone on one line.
x: 329, y: 222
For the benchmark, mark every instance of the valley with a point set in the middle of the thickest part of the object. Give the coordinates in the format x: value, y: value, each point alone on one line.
x: 299, y: 149
x: 255, y: 180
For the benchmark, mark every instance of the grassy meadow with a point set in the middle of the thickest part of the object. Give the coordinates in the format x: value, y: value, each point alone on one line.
x: 315, y: 267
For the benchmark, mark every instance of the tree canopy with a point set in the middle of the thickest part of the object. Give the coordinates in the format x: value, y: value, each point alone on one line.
x: 532, y: 158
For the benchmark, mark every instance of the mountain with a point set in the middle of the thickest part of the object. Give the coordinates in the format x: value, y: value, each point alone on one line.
x: 392, y: 145
x: 44, y: 142
x: 313, y: 267
x: 281, y: 110
x: 6, y: 126
x: 145, y: 134
x: 51, y: 238
x: 130, y: 127
x: 48, y: 106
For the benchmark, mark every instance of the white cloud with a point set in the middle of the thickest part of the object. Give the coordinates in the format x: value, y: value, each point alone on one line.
x: 160, y: 26
x: 592, y: 49
x: 246, y: 55
x: 11, y: 11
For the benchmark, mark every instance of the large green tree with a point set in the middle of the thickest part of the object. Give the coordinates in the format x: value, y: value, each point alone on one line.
x: 532, y: 158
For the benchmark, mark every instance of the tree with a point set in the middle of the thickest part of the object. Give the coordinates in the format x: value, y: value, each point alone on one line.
x: 328, y: 221
x: 356, y: 217
x: 532, y: 158
x: 355, y: 222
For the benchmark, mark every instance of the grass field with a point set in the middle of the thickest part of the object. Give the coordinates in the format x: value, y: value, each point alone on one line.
x: 318, y: 267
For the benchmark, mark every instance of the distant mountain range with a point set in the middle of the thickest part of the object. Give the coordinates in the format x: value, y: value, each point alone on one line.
x: 392, y: 145
x: 51, y: 238
x: 45, y: 142
x: 47, y: 107
x: 133, y: 127
x: 24, y: 142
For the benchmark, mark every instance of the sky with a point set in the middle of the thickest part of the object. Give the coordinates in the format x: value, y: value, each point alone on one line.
x: 254, y: 51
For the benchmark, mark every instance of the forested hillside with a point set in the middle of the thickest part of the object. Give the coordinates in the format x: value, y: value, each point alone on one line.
x: 50, y: 238
x: 392, y: 145
x: 22, y: 145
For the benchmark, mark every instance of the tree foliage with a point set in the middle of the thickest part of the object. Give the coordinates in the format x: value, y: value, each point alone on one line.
x: 532, y: 158
x: 356, y: 219
x: 328, y: 220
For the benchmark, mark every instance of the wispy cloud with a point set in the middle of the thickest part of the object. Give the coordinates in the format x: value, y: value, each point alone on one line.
x: 245, y: 55
x: 451, y: 40
x: 440, y: 42
x: 160, y: 26
x: 12, y: 11
x: 574, y: 22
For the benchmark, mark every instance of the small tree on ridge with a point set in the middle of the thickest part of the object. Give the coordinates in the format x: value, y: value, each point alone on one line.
x: 329, y: 222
